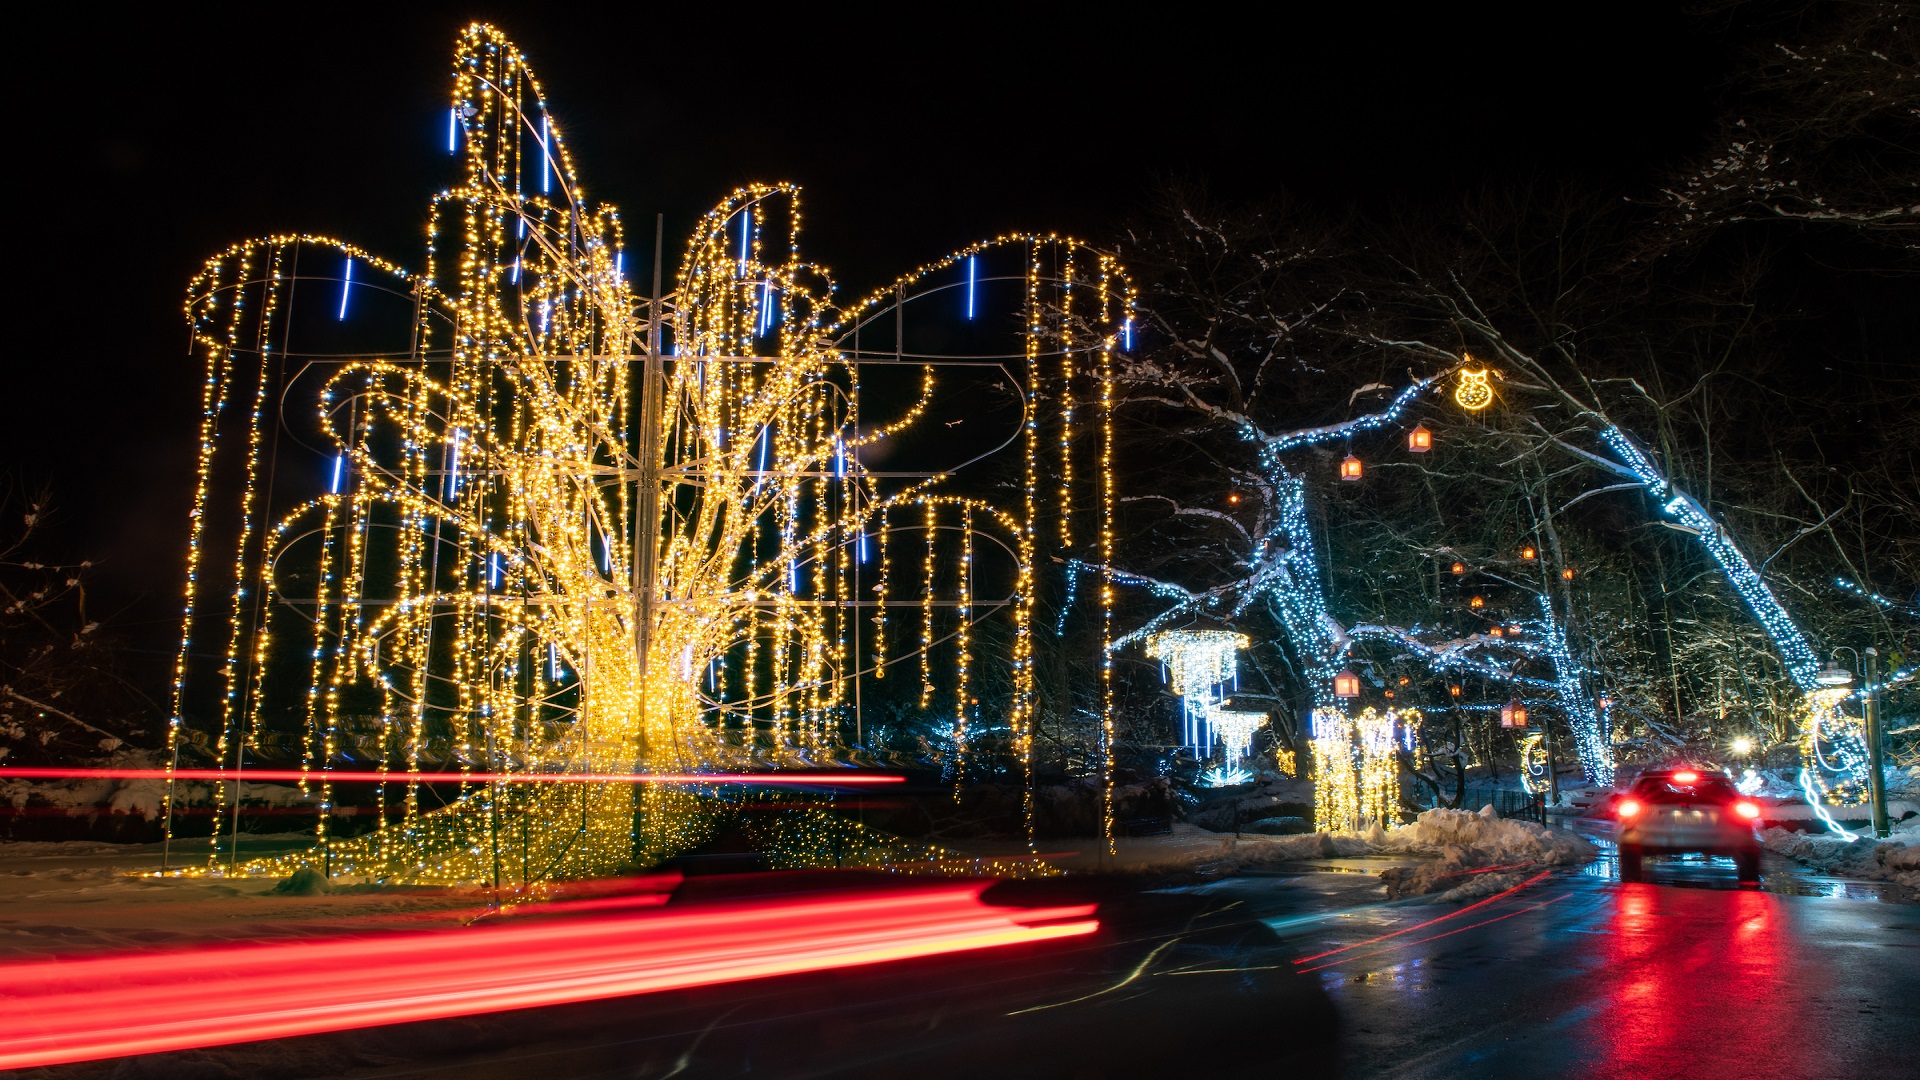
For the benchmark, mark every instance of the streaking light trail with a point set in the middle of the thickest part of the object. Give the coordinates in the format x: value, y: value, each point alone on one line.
x: 345, y: 284
x: 102, y: 1006
x: 1423, y: 925
x: 370, y: 776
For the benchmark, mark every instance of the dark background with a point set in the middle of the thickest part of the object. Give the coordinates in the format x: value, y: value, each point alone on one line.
x: 148, y: 141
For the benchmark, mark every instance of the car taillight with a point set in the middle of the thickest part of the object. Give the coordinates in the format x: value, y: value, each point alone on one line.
x: 1746, y: 809
x: 1685, y: 776
x: 1628, y: 808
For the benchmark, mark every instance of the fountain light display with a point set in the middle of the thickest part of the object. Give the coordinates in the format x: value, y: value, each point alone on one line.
x: 563, y: 523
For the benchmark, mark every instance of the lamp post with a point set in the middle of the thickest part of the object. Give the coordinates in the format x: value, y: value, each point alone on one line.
x: 1876, y: 769
x: 1835, y: 675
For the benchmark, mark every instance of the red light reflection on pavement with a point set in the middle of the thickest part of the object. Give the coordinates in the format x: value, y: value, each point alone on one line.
x: 100, y: 1006
x: 1694, y: 976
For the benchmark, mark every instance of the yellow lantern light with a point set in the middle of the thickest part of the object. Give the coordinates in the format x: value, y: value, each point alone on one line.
x: 1528, y: 553
x: 1477, y: 603
x: 1350, y: 468
x: 1419, y: 440
x: 1513, y: 714
x: 1346, y: 684
x: 1459, y: 568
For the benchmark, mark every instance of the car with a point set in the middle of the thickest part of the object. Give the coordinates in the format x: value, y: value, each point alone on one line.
x: 1686, y: 809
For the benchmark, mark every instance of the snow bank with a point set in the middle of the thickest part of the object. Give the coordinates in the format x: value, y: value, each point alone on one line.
x: 1896, y: 859
x: 1478, y: 854
x: 82, y: 796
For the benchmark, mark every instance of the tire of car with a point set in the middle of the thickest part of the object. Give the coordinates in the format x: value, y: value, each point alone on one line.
x: 1746, y: 863
x: 1630, y: 862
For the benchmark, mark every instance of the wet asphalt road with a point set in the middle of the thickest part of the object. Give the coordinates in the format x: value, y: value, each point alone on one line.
x: 1580, y: 975
x: 1298, y: 973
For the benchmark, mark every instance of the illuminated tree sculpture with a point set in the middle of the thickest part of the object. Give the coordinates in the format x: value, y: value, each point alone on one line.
x: 568, y: 524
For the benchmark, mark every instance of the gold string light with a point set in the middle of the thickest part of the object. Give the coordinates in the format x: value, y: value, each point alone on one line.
x: 467, y: 594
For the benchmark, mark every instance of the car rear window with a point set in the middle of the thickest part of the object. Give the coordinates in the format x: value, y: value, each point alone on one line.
x: 1662, y: 788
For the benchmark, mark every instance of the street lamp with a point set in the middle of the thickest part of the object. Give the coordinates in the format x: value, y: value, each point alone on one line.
x: 1742, y: 746
x: 1834, y: 675
x: 1876, y: 767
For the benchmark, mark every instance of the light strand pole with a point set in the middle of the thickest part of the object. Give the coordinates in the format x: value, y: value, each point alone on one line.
x: 1876, y: 768
x: 646, y: 524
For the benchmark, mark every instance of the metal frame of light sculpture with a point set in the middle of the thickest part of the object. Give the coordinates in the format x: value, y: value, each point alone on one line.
x: 549, y: 538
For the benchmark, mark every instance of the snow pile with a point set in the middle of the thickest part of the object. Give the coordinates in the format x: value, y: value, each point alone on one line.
x: 146, y: 798
x: 1896, y: 859
x: 1478, y: 854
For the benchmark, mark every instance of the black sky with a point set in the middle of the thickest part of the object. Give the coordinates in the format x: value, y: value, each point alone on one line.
x: 156, y: 138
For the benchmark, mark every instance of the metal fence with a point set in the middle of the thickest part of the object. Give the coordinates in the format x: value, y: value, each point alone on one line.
x: 1506, y: 802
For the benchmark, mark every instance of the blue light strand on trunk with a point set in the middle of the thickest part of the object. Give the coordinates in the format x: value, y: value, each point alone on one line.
x: 346, y: 282
x: 1795, y: 653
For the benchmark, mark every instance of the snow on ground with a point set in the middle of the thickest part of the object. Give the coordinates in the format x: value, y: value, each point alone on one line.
x: 1454, y: 853
x: 1476, y: 854
x: 1895, y: 859
x: 82, y: 896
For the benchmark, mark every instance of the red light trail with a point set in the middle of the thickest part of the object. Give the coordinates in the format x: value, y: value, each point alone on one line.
x: 1437, y: 937
x: 1429, y: 922
x: 396, y: 777
x: 91, y: 1007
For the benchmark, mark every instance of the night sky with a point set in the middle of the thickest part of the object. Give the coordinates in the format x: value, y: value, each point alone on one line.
x: 155, y: 139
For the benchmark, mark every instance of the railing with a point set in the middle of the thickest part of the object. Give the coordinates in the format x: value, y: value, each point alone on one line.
x: 1506, y: 802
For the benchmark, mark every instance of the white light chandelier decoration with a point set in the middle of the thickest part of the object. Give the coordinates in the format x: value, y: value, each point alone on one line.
x: 1198, y: 664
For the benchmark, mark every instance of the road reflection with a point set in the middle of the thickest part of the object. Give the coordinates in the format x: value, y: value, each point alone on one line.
x: 1695, y: 973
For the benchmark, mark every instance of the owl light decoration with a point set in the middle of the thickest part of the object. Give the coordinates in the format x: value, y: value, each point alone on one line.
x: 1473, y: 392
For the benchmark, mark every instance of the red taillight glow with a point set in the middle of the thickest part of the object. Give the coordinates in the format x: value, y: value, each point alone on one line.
x: 1685, y: 776
x: 1746, y: 809
x: 99, y: 1006
x: 1628, y: 808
